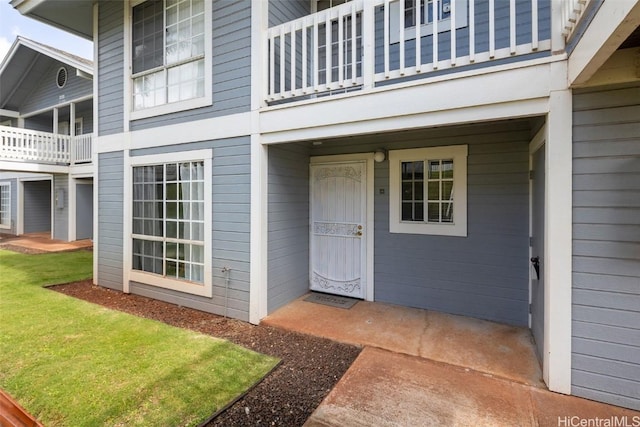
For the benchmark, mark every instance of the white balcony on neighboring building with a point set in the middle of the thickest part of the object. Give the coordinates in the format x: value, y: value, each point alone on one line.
x: 24, y: 145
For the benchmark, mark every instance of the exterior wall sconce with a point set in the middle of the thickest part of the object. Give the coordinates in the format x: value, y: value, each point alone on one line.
x: 379, y: 156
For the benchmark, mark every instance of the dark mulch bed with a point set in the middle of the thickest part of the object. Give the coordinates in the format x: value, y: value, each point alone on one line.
x: 310, y: 366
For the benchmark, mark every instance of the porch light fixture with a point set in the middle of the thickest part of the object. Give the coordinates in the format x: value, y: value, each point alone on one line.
x: 380, y: 156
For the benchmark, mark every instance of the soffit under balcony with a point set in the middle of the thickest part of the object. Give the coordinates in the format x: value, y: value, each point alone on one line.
x: 74, y: 16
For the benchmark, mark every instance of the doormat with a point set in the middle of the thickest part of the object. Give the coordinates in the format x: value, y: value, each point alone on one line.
x: 332, y: 300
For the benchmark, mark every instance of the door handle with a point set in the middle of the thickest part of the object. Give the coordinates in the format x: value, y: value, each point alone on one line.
x: 536, y: 265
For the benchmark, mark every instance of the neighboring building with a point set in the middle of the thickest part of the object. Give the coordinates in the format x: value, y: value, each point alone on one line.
x: 248, y: 151
x: 46, y: 125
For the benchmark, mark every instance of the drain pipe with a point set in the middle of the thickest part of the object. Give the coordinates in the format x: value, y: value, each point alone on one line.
x: 227, y: 272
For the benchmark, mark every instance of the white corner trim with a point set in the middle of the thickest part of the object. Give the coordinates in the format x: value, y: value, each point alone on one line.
x: 459, y: 155
x: 558, y: 244
x: 127, y: 214
x: 258, y: 273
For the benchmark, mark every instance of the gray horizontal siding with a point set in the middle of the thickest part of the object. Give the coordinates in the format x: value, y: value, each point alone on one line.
x: 606, y: 245
x: 110, y: 186
x: 288, y: 213
x: 484, y: 275
x: 110, y: 67
x: 230, y: 228
x: 45, y: 92
x: 284, y: 11
x: 37, y: 206
x: 231, y: 67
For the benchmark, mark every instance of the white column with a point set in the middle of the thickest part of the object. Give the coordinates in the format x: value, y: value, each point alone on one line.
x: 368, y: 43
x: 55, y: 120
x: 558, y: 243
x: 557, y: 39
x: 259, y: 167
x: 71, y: 232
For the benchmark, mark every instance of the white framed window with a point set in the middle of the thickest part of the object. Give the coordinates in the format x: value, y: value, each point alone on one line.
x: 171, y: 221
x: 5, y: 205
x: 428, y: 191
x: 170, y: 56
x: 442, y: 14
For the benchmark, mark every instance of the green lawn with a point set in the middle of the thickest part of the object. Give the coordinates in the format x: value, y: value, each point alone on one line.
x: 72, y: 363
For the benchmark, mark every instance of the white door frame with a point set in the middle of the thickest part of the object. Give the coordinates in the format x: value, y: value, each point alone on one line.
x: 536, y: 143
x: 368, y: 230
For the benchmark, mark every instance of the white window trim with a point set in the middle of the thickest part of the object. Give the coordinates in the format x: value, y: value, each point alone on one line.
x: 444, y: 25
x: 8, y: 208
x: 459, y: 155
x: 204, y: 289
x: 173, y: 107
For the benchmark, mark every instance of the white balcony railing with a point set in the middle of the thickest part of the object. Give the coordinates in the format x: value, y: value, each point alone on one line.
x: 364, y: 43
x: 572, y: 12
x: 44, y: 147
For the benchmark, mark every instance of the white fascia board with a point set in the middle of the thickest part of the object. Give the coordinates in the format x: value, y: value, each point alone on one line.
x: 32, y: 167
x: 231, y: 126
x: 610, y: 27
x: 9, y: 113
x: 477, y: 114
x: 82, y: 171
x: 517, y: 84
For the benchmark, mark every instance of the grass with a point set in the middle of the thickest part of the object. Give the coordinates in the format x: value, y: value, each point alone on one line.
x: 72, y: 363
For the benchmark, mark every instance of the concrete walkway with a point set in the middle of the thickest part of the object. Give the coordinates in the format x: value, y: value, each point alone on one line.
x: 421, y: 368
x: 42, y: 243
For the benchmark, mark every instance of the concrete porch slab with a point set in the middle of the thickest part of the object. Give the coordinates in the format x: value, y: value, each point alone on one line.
x: 495, y: 349
x: 383, y: 388
x: 43, y: 243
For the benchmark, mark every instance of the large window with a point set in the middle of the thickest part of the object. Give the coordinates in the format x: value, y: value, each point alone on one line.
x: 428, y: 190
x: 425, y: 12
x: 169, y: 59
x: 169, y: 223
x: 5, y: 205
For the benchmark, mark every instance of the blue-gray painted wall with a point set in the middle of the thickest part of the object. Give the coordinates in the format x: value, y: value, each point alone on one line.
x: 110, y: 70
x: 84, y: 209
x: 484, y: 275
x: 230, y: 227
x: 37, y: 206
x: 45, y: 92
x: 606, y: 245
x: 288, y: 229
x: 110, y: 171
x: 231, y: 67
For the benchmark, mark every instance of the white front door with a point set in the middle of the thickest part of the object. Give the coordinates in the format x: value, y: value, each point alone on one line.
x: 338, y: 261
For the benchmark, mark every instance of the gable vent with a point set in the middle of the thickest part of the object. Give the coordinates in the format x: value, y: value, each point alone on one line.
x: 61, y: 78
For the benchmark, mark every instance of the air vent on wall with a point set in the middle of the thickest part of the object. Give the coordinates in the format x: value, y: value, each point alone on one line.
x: 61, y: 78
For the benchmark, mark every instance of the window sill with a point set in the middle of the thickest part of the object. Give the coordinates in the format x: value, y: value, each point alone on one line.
x: 429, y: 229
x: 173, y: 107
x: 193, y: 288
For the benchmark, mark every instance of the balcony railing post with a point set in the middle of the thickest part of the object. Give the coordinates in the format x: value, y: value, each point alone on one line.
x: 368, y: 45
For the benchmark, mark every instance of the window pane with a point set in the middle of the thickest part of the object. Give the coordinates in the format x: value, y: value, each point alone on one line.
x: 434, y: 212
x: 434, y: 190
x: 447, y: 190
x: 147, y: 36
x: 434, y: 169
x: 407, y: 190
x: 447, y: 212
x: 447, y: 169
x: 418, y: 212
x: 407, y: 211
